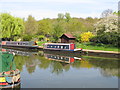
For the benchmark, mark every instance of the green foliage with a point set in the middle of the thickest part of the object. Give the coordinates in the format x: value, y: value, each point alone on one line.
x: 75, y: 26
x: 96, y: 46
x: 60, y: 16
x: 78, y: 38
x: 107, y: 31
x: 27, y: 37
x: 57, y: 32
x: 40, y: 43
x: 44, y: 27
x: 31, y: 26
x: 50, y: 28
x: 11, y: 26
x: 107, y: 38
x: 67, y: 16
x: 116, y: 13
x: 41, y: 37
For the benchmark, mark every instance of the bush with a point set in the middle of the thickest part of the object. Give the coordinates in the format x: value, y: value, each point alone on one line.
x: 78, y: 38
x: 107, y: 38
x: 27, y: 38
x: 86, y: 36
x: 41, y: 37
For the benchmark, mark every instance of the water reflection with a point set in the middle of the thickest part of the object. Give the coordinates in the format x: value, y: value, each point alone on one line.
x: 9, y: 75
x: 61, y: 62
x: 108, y: 67
x: 41, y: 63
x: 19, y: 52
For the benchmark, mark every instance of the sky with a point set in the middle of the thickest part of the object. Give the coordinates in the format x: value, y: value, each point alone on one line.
x: 50, y: 8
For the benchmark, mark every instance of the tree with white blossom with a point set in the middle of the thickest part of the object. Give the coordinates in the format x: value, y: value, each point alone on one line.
x: 107, y: 31
x: 107, y: 24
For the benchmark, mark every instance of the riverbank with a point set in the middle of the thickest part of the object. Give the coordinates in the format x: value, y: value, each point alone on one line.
x: 101, y: 53
x: 89, y: 52
x: 87, y: 46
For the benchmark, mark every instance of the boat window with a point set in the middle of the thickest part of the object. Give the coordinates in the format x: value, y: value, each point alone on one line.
x: 66, y: 59
x: 63, y: 58
x: 53, y: 46
x: 67, y: 46
x: 61, y: 46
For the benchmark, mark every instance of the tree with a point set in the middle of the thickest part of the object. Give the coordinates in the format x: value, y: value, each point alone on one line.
x: 67, y: 16
x: 31, y: 26
x: 57, y: 32
x: 107, y: 24
x: 11, y: 27
x: 107, y: 31
x: 106, y: 13
x: 108, y: 38
x: 44, y: 27
x: 60, y: 16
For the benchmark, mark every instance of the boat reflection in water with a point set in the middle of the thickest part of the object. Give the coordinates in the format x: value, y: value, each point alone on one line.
x: 9, y: 75
x: 65, y: 59
x: 19, y: 52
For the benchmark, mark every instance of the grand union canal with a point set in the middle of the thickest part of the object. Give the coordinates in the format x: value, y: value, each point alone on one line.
x: 40, y: 69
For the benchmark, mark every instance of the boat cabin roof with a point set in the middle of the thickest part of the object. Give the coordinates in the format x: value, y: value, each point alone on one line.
x: 59, y: 43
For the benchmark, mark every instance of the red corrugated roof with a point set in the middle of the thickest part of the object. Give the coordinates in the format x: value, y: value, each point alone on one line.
x: 69, y: 35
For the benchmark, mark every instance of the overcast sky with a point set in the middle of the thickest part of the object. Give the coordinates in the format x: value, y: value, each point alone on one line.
x: 50, y: 8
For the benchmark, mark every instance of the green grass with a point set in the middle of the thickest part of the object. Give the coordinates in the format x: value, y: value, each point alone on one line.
x: 93, y: 47
x: 88, y: 46
x: 40, y: 43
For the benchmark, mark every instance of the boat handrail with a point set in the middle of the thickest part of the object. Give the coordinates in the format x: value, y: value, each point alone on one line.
x: 10, y: 75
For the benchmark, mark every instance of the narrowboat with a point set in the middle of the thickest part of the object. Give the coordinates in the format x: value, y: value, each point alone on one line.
x: 19, y: 44
x: 61, y: 47
x: 9, y: 75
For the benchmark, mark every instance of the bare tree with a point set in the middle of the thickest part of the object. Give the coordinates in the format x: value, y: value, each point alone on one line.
x: 106, y: 13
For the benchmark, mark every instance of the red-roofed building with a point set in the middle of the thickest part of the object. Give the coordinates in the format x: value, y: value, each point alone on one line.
x: 67, y: 38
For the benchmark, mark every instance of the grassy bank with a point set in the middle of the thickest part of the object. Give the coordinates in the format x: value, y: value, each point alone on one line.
x: 40, y: 43
x: 95, y: 47
x: 88, y: 46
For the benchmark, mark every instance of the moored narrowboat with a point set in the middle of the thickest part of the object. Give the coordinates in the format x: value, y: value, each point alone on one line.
x: 20, y: 44
x: 61, y: 47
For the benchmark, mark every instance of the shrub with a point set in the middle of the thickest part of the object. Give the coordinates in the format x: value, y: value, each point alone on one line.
x: 107, y: 38
x: 41, y: 37
x: 86, y: 36
x: 27, y: 38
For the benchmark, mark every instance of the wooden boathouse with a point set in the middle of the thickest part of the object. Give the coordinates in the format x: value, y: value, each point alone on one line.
x: 67, y: 38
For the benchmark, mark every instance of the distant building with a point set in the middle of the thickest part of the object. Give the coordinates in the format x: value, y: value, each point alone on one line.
x: 67, y: 38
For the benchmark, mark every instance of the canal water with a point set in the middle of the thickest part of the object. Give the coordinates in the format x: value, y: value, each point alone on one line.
x: 55, y: 70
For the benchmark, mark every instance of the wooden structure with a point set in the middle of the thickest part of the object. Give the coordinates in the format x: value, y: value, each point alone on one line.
x: 67, y: 38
